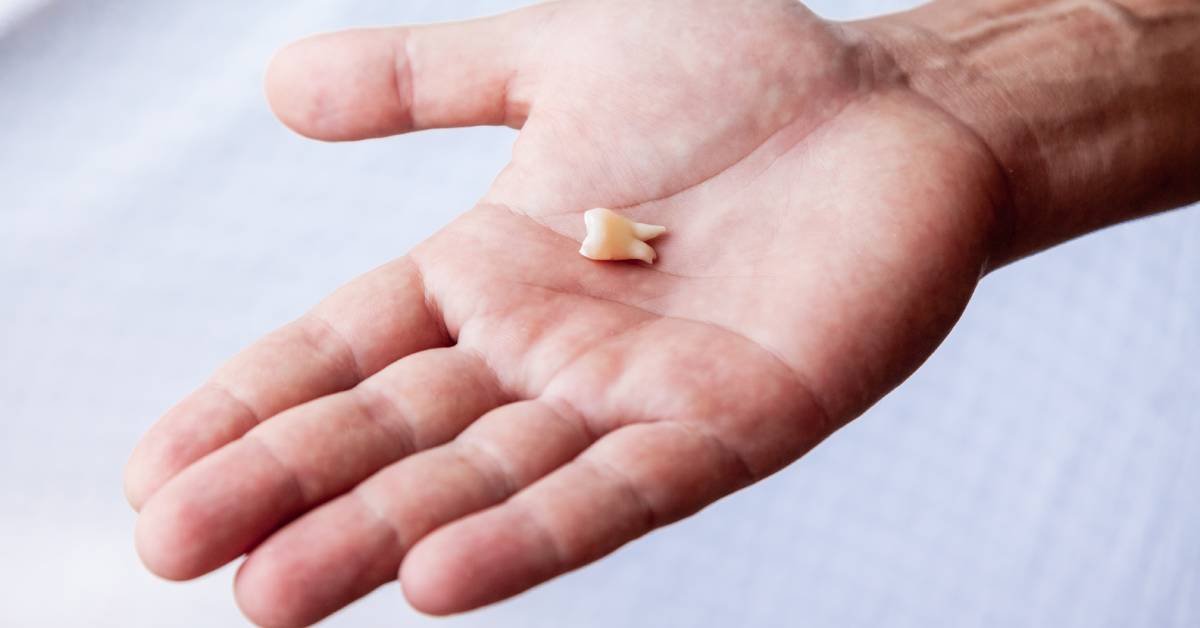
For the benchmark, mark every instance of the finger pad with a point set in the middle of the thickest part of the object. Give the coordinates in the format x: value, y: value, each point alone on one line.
x: 338, y: 86
x: 199, y: 424
x: 465, y: 565
x: 316, y: 565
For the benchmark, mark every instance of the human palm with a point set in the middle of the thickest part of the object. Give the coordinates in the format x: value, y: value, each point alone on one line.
x: 494, y: 409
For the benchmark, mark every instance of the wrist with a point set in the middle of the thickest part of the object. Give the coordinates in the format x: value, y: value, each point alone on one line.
x: 1090, y: 108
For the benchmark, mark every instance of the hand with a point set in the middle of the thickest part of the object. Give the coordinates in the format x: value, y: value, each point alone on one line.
x: 493, y: 409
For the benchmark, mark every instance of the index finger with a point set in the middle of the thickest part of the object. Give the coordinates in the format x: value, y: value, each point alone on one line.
x: 371, y: 322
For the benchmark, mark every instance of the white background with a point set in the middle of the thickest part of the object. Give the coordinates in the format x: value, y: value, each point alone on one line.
x: 1041, y: 469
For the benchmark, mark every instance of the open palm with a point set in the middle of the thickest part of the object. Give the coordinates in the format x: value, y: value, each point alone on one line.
x: 493, y: 409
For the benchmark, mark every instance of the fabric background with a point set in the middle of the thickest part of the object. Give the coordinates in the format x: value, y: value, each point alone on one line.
x: 1040, y: 470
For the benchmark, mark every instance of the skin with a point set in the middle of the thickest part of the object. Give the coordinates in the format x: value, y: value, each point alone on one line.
x: 492, y: 409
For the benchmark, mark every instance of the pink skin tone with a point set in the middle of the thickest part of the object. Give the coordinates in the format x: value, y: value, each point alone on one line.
x: 492, y: 409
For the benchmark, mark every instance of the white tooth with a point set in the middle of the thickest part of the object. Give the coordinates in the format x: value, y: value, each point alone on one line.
x: 645, y: 232
x: 611, y: 236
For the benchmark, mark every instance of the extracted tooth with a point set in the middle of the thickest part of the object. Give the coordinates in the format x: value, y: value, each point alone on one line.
x: 611, y: 236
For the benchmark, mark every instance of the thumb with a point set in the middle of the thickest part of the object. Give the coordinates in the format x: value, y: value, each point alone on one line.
x: 364, y: 83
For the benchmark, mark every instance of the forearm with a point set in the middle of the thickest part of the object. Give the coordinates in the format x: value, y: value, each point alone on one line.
x: 1091, y: 107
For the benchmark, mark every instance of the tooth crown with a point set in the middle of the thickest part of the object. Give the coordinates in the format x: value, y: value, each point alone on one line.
x: 611, y: 236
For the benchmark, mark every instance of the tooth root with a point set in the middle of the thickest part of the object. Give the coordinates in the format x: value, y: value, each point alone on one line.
x: 611, y: 236
x: 644, y: 231
x: 640, y: 250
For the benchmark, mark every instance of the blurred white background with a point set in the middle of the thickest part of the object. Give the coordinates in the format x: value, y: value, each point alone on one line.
x: 1041, y: 469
